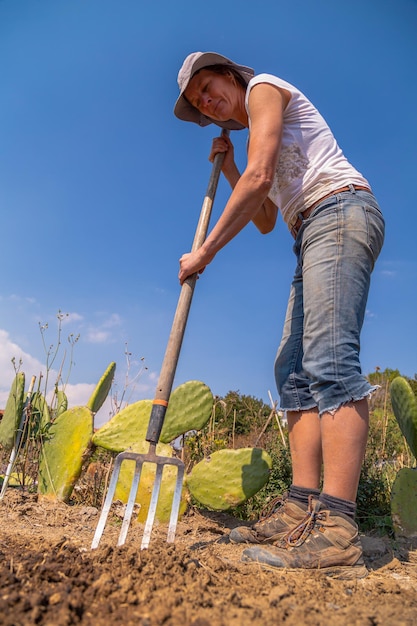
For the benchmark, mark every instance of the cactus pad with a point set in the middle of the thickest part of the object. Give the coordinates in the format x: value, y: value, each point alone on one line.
x: 229, y: 477
x: 63, y: 450
x: 147, y: 480
x: 101, y: 392
x: 13, y: 412
x: 189, y: 408
x: 61, y: 403
x: 404, y: 405
x: 126, y: 428
x: 40, y: 411
x: 404, y: 503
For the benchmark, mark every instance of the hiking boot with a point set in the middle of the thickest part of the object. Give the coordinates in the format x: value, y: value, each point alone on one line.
x: 325, y: 540
x: 277, y: 519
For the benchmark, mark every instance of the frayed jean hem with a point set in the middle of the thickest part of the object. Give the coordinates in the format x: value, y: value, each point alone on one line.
x: 367, y: 394
x: 332, y: 410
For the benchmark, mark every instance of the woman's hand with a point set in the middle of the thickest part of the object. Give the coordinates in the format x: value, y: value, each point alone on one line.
x: 192, y: 262
x: 223, y: 145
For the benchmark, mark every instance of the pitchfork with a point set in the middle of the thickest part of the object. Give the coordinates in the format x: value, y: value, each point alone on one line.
x: 160, y: 402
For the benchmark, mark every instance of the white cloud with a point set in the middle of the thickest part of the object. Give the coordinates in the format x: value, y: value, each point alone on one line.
x: 17, y: 299
x: 141, y: 383
x: 102, y: 333
x: 104, y: 414
x: 79, y: 394
x: 112, y: 321
x: 8, y: 351
x: 97, y: 336
x: 71, y: 318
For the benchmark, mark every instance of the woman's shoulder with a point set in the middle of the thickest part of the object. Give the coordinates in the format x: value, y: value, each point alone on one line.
x: 273, y: 80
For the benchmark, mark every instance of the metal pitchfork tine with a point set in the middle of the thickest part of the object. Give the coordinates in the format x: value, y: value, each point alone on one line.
x: 160, y: 402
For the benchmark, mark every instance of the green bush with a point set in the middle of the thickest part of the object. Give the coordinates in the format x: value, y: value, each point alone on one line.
x: 373, y: 500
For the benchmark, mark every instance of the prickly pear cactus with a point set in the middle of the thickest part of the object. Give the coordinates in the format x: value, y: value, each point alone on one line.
x: 404, y: 405
x: 404, y: 503
x: 101, y: 392
x: 229, y: 477
x: 147, y: 480
x: 61, y: 403
x: 189, y: 408
x: 40, y: 411
x: 63, y: 450
x: 13, y: 412
x: 126, y: 429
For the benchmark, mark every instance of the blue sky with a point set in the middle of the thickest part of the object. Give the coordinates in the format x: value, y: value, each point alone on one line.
x: 101, y: 186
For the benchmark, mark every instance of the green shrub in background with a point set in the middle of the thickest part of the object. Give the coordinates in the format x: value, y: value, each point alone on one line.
x: 373, y: 499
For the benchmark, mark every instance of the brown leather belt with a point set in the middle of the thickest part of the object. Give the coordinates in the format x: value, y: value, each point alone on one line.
x: 305, y: 214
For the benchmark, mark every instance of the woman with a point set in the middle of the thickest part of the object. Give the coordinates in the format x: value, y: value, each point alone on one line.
x: 294, y: 163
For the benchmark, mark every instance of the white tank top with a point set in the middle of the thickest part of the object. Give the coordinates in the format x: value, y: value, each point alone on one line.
x: 311, y: 164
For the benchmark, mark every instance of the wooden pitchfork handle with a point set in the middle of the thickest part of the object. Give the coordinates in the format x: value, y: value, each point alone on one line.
x: 169, y: 365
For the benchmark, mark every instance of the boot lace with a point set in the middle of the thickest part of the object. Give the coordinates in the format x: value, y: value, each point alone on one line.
x: 299, y: 534
x: 272, y: 507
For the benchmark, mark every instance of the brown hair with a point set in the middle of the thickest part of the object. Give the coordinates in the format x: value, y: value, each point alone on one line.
x: 226, y: 69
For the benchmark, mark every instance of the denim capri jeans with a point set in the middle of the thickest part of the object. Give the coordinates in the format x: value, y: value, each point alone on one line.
x: 317, y: 364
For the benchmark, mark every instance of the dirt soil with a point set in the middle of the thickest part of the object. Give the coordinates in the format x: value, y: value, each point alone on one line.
x: 50, y: 576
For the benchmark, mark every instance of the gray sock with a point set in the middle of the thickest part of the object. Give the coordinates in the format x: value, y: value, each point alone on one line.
x: 300, y: 494
x: 338, y: 504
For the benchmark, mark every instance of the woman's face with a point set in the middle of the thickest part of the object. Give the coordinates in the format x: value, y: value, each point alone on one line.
x: 215, y: 95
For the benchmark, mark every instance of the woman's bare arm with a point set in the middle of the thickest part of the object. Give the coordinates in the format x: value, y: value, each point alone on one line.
x: 266, y: 217
x: 267, y: 104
